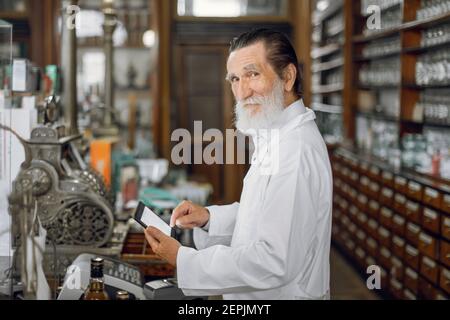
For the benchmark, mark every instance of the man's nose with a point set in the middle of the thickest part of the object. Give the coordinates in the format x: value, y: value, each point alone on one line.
x: 243, y: 91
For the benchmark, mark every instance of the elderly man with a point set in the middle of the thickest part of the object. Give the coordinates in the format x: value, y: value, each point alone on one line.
x: 274, y: 243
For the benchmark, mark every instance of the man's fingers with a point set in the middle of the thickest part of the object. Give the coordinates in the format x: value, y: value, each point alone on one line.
x: 185, y: 222
x: 155, y: 233
x: 152, y: 241
x: 181, y: 210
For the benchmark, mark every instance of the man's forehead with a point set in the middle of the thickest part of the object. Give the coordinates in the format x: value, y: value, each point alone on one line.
x: 251, y: 57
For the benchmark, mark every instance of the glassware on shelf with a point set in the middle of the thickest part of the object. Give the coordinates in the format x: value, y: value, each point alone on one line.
x: 433, y: 68
x: 334, y: 25
x: 436, y: 35
x: 432, y: 8
x: 390, y: 19
x: 438, y: 145
x: 381, y: 72
x: 335, y: 77
x: 383, y: 4
x: 414, y: 152
x: 436, y: 106
x: 381, y: 47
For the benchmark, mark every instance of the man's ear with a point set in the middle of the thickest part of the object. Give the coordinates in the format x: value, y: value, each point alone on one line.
x: 290, y: 74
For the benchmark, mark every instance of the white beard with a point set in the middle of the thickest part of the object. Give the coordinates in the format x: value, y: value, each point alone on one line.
x: 271, y: 107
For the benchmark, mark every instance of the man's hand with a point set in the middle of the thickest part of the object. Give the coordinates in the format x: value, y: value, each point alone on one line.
x: 163, y: 246
x: 188, y: 216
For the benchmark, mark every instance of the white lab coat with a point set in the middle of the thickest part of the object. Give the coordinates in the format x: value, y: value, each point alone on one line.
x: 275, y: 243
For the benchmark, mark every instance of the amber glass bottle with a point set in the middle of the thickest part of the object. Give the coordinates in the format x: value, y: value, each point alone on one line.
x: 96, y: 289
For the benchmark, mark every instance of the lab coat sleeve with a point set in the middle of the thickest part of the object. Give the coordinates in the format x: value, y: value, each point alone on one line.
x: 221, y: 226
x: 272, y: 260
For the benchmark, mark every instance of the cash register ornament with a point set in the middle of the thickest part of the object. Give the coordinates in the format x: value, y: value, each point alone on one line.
x: 73, y: 204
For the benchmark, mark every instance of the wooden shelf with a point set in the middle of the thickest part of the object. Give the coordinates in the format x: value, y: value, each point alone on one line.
x: 422, y: 87
x: 379, y: 86
x: 335, y: 32
x: 377, y: 57
x: 327, y: 65
x: 327, y: 108
x: 419, y: 50
x: 426, y: 23
x: 325, y: 50
x: 378, y: 35
x: 328, y: 13
x: 428, y: 124
x: 378, y: 116
x: 327, y: 89
x: 14, y: 15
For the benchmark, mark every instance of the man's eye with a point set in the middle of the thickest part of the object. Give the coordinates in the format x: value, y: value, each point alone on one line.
x: 254, y: 74
x: 234, y: 79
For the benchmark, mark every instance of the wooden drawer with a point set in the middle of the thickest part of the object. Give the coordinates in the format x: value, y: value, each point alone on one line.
x: 446, y: 203
x: 414, y: 190
x: 385, y: 258
x: 445, y: 226
x: 387, y: 196
x: 364, y: 167
x: 362, y: 220
x: 412, y: 232
x: 398, y: 246
x: 384, y: 237
x: 360, y: 256
x: 353, y: 213
x: 396, y: 289
x: 431, y: 220
x: 349, y: 245
x: 372, y: 247
x: 384, y: 278
x: 412, y: 211
x: 375, y: 173
x: 386, y: 217
x: 429, y: 245
x: 352, y: 194
x: 373, y: 228
x: 429, y: 269
x: 354, y: 178
x: 445, y: 253
x: 352, y: 227
x: 374, y: 189
x: 397, y: 268
x: 388, y: 179
x: 400, y: 184
x: 362, y: 202
x: 432, y: 197
x: 361, y: 238
x: 444, y: 279
x: 411, y: 280
x: 398, y: 225
x: 409, y: 295
x: 399, y: 202
x: 411, y: 257
x: 427, y: 290
x: 373, y: 209
x: 364, y: 183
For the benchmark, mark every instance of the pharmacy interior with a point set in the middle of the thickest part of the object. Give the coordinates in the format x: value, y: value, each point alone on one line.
x: 92, y: 91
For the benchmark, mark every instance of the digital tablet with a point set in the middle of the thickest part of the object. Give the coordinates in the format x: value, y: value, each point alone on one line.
x: 146, y: 217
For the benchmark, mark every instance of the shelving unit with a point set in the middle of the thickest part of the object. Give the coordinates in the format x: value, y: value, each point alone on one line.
x: 327, y: 68
x: 386, y: 215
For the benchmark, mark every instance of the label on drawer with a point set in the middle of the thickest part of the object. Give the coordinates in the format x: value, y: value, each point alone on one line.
x: 372, y: 243
x: 388, y: 193
x: 396, y: 284
x: 352, y: 227
x: 398, y: 241
x: 430, y: 214
x: 400, y: 198
x: 362, y: 217
x: 413, y: 228
x: 354, y: 176
x: 425, y: 238
x: 385, y: 253
x: 370, y: 261
x: 365, y: 181
x: 414, y: 186
x: 447, y: 222
x: 362, y: 199
x: 412, y: 206
x: 354, y: 210
x: 374, y: 170
x: 374, y: 205
x: 447, y: 200
x: 411, y: 273
x: 364, y: 166
x: 431, y: 193
x: 430, y: 263
x: 387, y: 175
x: 409, y: 295
x: 400, y: 181
x: 373, y: 224
x: 411, y: 251
x: 360, y: 253
x: 352, y: 193
x: 384, y: 232
x: 386, y: 212
x: 396, y: 262
x: 446, y: 273
x: 374, y: 187
x: 399, y: 220
x: 361, y: 235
